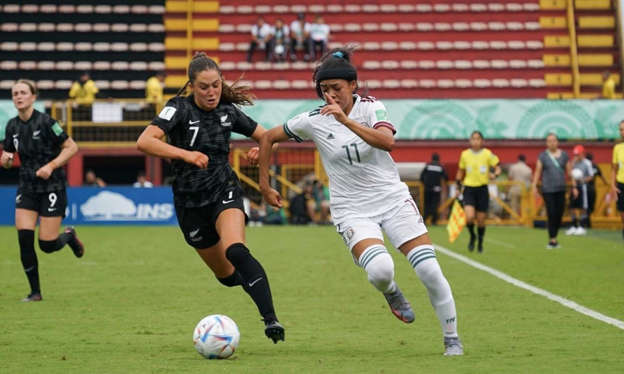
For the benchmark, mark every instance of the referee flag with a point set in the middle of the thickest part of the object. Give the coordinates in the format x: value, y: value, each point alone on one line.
x: 456, y: 221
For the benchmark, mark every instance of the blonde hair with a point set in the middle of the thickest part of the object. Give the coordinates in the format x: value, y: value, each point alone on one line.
x: 31, y: 85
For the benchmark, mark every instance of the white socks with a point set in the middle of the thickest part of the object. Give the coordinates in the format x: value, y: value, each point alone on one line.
x: 378, y: 264
x: 424, y: 262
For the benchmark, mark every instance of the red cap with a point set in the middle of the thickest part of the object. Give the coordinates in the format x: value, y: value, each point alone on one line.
x: 578, y: 149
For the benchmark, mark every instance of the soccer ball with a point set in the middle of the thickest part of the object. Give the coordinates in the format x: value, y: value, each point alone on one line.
x: 577, y: 174
x: 216, y: 336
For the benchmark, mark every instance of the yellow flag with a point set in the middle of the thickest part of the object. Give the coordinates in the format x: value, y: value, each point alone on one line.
x: 456, y: 221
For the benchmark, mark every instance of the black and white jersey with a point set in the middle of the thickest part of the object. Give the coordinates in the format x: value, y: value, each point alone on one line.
x: 191, y: 128
x: 37, y: 141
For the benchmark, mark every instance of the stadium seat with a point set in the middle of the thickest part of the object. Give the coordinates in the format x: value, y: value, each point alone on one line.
x: 65, y: 65
x: 373, y: 83
x: 47, y: 8
x: 45, y: 65
x: 46, y: 27
x: 409, y: 83
x: 83, y: 65
x: 136, y: 85
x: 119, y: 85
x: 8, y: 65
x: 27, y: 46
x: 462, y: 64
x: 500, y: 83
x: 519, y: 83
x: 45, y: 84
x: 481, y: 64
x: 63, y: 84
x: 9, y: 46
x: 103, y: 9
x: 46, y: 46
x: 408, y: 64
x: 9, y: 27
x: 445, y: 83
x: 426, y: 83
x: 64, y: 46
x: 463, y: 83
x: 482, y: 83
x: 120, y: 65
x: 426, y: 64
x: 6, y: 84
x: 390, y: 64
x: 499, y: 64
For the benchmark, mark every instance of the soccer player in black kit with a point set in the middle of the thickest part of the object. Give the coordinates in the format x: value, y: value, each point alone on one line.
x: 43, y: 148
x: 207, y: 193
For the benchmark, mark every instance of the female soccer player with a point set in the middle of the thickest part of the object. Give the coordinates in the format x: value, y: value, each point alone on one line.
x: 617, y: 175
x: 207, y: 194
x: 474, y: 172
x: 551, y: 169
x: 43, y: 148
x: 354, y: 136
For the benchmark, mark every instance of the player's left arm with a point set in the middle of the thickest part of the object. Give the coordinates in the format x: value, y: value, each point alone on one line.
x: 381, y: 137
x: 254, y: 153
x: 68, y: 149
x: 495, y: 162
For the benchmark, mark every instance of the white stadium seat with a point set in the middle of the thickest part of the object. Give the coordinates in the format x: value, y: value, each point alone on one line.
x: 370, y: 8
x: 119, y: 85
x: 299, y: 84
x: 28, y: 27
x: 463, y: 83
x: 226, y: 28
x: 45, y: 84
x: 262, y: 84
x: 6, y: 84
x: 371, y: 64
x: 482, y: 83
x: 229, y: 9
x: 83, y: 65
x: 462, y: 64
x: 227, y: 65
x: 534, y: 44
x: 444, y: 45
x: 537, y: 83
x: 390, y: 64
x: 496, y: 7
x: 242, y: 46
x: 460, y: 44
x: 102, y: 84
x: 47, y: 8
x: 519, y: 83
x: 138, y: 27
x: 9, y: 27
x: 408, y: 64
x: 27, y: 65
x: 499, y: 64
x: 370, y: 27
x: 409, y: 83
x: 64, y: 46
x: 500, y: 83
x: 441, y: 8
x: 27, y: 46
x: 427, y: 83
x: 373, y: 83
x: 84, y: 9
x: 281, y: 84
x: 46, y: 46
x: 102, y: 65
x: 407, y: 46
x: 63, y: 84
x: 45, y: 65
x: 389, y: 46
x: 8, y: 65
x: 426, y: 46
x: 138, y: 65
x: 101, y: 27
x: 481, y: 64
x: 156, y: 65
x: 121, y: 9
x: 478, y: 26
x: 138, y: 47
x: 391, y: 83
x: 459, y: 7
x: 120, y: 65
x: 518, y: 64
x: 445, y: 83
x: 64, y: 27
x: 65, y: 65
x: 138, y: 9
x: 99, y: 46
x: 66, y: 9
x: 426, y: 64
x: 9, y: 46
x: 371, y: 46
x: 156, y: 47
x: 444, y: 64
x: 103, y: 9
x: 478, y: 7
x: 83, y: 27
x: 137, y: 85
x: 46, y: 27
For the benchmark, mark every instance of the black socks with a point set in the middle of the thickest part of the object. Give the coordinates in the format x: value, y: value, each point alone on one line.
x: 253, y: 278
x: 49, y: 246
x: 26, y: 239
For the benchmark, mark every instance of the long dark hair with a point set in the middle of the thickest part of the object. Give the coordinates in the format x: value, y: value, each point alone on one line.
x: 335, y: 64
x: 235, y: 94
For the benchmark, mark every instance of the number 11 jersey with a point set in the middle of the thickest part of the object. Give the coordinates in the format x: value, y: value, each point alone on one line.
x: 363, y: 180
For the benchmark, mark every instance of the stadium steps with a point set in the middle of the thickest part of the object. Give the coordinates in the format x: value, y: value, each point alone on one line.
x: 120, y: 43
x: 447, y: 49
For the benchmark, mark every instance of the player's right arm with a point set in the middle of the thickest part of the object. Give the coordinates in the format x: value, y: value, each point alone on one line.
x: 270, y: 137
x: 150, y: 141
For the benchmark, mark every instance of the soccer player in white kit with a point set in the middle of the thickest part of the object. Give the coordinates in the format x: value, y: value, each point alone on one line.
x: 353, y: 136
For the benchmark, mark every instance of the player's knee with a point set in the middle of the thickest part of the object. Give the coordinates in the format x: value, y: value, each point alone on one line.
x: 379, y: 267
x: 237, y: 253
x: 48, y: 246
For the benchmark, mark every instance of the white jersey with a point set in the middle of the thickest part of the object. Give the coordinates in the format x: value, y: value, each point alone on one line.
x: 363, y: 180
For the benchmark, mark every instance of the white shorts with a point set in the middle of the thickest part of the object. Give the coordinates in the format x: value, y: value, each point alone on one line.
x: 401, y: 224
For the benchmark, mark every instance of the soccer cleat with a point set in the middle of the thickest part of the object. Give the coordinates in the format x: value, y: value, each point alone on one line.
x: 35, y: 296
x: 399, y: 306
x: 274, y: 331
x: 553, y: 245
x: 453, y: 347
x: 580, y: 231
x: 471, y: 244
x: 74, y: 243
x: 480, y: 247
x: 571, y: 231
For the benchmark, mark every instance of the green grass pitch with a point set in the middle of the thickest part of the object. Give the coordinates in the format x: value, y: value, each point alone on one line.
x: 130, y: 305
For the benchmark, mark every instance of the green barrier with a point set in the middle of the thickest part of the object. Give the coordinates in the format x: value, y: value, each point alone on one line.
x: 496, y: 119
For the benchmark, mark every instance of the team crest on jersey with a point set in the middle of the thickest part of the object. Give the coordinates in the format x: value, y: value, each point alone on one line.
x: 35, y: 135
x: 224, y: 121
x: 18, y: 198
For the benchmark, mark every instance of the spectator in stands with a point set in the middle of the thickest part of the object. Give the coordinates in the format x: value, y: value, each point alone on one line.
x: 92, y: 180
x: 83, y: 90
x: 550, y: 169
x: 281, y: 35
x: 321, y: 202
x: 300, y: 38
x: 434, y: 178
x: 617, y: 175
x: 261, y: 37
x: 142, y: 181
x: 154, y: 88
x: 608, y: 85
x: 519, y: 172
x: 319, y: 34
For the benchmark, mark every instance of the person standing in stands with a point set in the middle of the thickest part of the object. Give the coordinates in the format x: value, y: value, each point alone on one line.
x: 261, y: 37
x: 475, y: 172
x: 43, y: 148
x: 608, y: 85
x: 154, y: 88
x: 434, y: 178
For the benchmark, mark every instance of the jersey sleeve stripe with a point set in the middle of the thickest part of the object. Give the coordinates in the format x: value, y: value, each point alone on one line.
x: 291, y: 134
x: 385, y: 124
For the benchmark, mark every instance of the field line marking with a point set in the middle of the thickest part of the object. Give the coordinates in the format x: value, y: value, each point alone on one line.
x: 518, y: 283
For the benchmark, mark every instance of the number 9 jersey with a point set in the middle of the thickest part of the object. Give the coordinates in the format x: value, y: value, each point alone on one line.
x: 193, y: 129
x: 357, y: 171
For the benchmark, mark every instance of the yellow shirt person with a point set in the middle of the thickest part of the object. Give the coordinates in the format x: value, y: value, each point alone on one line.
x: 83, y: 91
x: 477, y: 166
x: 154, y: 88
x: 618, y: 159
x: 608, y: 87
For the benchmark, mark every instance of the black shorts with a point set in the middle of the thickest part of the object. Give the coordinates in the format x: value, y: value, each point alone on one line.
x: 478, y: 197
x: 199, y: 224
x: 47, y: 204
x: 582, y: 200
x: 620, y: 198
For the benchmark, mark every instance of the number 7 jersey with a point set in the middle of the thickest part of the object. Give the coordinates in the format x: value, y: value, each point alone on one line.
x: 363, y: 180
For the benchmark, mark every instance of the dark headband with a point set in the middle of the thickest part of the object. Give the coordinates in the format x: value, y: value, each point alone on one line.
x: 346, y: 72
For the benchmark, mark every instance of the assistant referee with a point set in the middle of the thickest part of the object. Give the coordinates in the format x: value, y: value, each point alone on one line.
x: 475, y: 172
